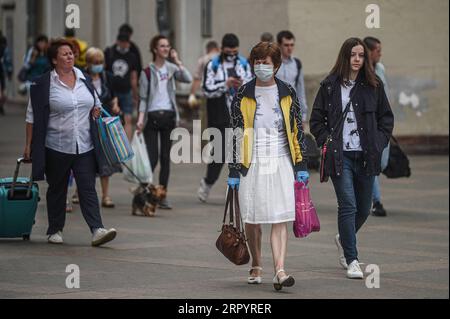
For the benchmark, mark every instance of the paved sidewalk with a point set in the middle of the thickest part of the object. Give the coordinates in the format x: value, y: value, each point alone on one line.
x: 173, y: 255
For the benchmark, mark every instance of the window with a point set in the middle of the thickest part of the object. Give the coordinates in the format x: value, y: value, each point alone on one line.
x: 163, y: 17
x: 206, y: 18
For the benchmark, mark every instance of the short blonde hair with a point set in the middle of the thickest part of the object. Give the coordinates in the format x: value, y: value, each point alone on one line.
x: 94, y: 54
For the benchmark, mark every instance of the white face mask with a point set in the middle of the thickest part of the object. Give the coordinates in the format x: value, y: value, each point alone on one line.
x: 264, y: 72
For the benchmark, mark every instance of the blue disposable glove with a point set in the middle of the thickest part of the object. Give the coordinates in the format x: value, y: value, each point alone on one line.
x: 233, y: 182
x: 302, y: 176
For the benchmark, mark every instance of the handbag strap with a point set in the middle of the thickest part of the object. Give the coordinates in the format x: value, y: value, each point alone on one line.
x: 238, y: 215
x: 395, y: 140
x: 344, y: 114
x: 227, y: 204
x: 232, y: 207
x: 232, y: 202
x: 237, y: 210
x: 98, y: 96
x: 105, y: 112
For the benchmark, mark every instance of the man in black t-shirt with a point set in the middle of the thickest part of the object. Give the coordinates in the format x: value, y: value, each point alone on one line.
x: 126, y: 28
x: 123, y: 65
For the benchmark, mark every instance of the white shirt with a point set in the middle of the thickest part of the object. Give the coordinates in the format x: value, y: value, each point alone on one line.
x: 161, y: 101
x: 288, y: 73
x: 270, y: 132
x: 68, y: 124
x: 350, y: 133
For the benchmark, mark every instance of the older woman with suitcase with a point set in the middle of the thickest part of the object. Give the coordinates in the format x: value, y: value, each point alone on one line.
x: 61, y: 136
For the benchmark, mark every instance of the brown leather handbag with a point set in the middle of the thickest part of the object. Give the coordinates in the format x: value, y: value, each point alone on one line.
x: 231, y: 242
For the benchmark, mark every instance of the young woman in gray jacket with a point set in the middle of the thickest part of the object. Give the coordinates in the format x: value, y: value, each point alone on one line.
x: 158, y: 112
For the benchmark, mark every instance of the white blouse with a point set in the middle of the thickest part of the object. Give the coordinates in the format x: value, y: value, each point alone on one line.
x: 270, y: 133
x: 68, y: 125
x: 350, y: 133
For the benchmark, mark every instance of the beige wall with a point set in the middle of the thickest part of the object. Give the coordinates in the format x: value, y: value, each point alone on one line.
x: 414, y: 35
x: 143, y: 21
x: 248, y: 19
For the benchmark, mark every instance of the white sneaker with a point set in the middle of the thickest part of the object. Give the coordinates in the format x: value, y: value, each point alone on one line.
x: 56, y: 238
x: 342, y: 260
x: 203, y: 190
x: 102, y: 236
x: 354, y: 271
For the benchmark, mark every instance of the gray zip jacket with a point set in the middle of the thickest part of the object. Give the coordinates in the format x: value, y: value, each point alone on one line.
x: 175, y: 74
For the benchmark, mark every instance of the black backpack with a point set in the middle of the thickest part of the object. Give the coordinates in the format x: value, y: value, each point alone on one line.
x: 299, y: 68
x: 398, y: 165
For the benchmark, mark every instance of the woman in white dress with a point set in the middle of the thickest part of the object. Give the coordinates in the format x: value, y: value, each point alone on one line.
x: 268, y: 147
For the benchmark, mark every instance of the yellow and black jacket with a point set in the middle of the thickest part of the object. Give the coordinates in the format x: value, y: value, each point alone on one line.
x: 243, y: 111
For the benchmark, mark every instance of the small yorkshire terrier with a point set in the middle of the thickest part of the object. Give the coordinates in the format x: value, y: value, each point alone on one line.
x: 146, y: 198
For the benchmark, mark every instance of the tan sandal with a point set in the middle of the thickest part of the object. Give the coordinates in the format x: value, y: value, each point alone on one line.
x: 285, y: 281
x: 69, y: 207
x: 107, y: 202
x: 254, y: 279
x: 75, y: 199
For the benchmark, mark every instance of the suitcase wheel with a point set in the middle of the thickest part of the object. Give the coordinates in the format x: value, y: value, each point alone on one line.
x: 26, y: 237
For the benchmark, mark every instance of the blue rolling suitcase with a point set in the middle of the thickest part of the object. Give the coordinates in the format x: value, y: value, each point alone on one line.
x: 19, y: 198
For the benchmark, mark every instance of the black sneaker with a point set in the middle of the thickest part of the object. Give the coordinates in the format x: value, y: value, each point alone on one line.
x: 164, y: 204
x: 378, y: 210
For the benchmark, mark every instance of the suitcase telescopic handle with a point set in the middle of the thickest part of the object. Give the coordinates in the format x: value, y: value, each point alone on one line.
x: 16, y: 174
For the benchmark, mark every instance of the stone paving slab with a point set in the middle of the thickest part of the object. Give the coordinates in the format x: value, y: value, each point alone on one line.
x: 173, y: 255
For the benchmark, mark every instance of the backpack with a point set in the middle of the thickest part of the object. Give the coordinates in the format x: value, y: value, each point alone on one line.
x: 216, y: 62
x: 398, y: 165
x: 299, y: 68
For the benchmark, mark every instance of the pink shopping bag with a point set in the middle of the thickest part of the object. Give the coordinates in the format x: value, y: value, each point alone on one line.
x: 306, y: 219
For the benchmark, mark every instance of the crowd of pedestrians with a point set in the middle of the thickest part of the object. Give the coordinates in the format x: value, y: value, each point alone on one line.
x: 67, y: 82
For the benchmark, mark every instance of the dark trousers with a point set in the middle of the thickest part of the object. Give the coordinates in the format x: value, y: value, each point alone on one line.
x: 57, y: 172
x: 214, y: 168
x: 159, y: 126
x: 354, y: 196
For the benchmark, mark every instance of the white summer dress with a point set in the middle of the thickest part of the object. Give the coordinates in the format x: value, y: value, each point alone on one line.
x: 266, y: 193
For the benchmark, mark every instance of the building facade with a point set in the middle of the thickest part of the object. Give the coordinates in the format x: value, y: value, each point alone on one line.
x: 414, y: 35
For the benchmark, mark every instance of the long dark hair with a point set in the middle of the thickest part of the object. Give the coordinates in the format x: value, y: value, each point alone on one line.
x: 38, y: 39
x: 342, y: 67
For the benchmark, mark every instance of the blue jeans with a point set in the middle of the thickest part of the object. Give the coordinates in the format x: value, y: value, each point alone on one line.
x: 125, y: 102
x: 376, y: 196
x: 354, y: 196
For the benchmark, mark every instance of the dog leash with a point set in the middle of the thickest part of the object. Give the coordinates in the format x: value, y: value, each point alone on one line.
x: 132, y: 173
